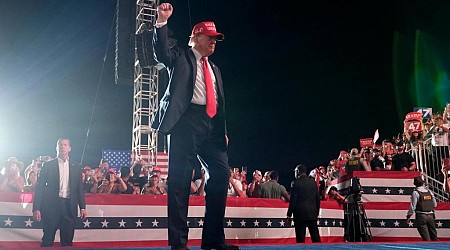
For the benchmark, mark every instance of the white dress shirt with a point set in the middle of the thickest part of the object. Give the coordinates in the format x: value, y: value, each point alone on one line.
x: 199, y: 96
x: 63, y: 178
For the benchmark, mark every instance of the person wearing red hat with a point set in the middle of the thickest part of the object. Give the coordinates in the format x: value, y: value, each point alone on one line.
x: 192, y: 112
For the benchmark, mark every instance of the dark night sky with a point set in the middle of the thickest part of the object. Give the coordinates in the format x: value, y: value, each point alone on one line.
x: 302, y: 82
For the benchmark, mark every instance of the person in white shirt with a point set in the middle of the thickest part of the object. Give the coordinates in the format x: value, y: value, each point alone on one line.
x: 59, y: 193
x: 235, y: 187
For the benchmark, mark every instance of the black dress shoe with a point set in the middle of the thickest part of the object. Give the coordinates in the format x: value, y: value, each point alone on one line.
x: 223, y: 246
x: 180, y: 247
x: 46, y: 244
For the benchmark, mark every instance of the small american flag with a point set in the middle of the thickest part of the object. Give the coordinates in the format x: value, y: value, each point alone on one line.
x: 117, y: 158
x: 122, y: 158
x: 163, y: 163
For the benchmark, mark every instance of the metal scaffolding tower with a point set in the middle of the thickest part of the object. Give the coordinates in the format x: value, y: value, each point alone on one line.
x: 145, y: 105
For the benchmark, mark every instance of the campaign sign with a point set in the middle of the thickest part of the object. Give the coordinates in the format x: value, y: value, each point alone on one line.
x: 366, y: 142
x: 413, y: 122
x: 413, y: 126
x: 426, y: 112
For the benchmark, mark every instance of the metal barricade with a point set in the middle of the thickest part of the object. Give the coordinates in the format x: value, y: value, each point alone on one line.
x: 429, y: 163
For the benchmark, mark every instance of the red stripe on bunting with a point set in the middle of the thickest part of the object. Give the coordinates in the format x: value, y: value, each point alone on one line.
x: 386, y: 174
x: 161, y: 200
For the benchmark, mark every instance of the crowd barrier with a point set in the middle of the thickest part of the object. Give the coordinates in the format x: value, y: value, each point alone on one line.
x: 381, y: 186
x: 141, y: 220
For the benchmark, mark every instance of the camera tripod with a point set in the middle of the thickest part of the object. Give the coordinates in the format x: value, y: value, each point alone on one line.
x: 356, y: 226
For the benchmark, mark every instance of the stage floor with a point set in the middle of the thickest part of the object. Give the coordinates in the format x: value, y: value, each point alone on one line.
x: 422, y: 245
x: 326, y: 246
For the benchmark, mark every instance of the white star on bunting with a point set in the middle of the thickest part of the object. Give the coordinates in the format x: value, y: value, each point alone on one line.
x: 269, y: 223
x: 243, y: 222
x: 256, y: 223
x: 388, y: 191
x: 396, y: 223
x: 105, y: 223
x: 200, y: 223
x: 410, y: 224
x: 28, y: 223
x: 282, y: 223
x: 439, y: 224
x: 8, y: 222
x: 382, y: 223
x: 229, y: 223
x: 87, y: 223
x: 122, y: 223
x: 155, y: 223
x: 138, y: 223
x: 374, y: 191
x: 400, y: 191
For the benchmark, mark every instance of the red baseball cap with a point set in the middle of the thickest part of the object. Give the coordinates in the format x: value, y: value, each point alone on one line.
x: 156, y: 169
x: 208, y: 29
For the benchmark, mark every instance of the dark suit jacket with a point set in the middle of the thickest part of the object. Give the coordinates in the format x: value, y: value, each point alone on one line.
x: 305, y: 199
x: 47, y: 189
x: 182, y: 69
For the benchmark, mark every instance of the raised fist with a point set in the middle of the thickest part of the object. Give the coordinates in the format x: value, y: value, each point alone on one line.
x: 164, y: 12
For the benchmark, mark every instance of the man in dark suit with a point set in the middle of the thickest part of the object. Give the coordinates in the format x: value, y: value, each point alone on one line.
x: 192, y: 112
x: 59, y: 192
x: 304, y: 205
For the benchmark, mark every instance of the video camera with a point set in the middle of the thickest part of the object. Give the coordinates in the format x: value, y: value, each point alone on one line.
x: 355, y: 187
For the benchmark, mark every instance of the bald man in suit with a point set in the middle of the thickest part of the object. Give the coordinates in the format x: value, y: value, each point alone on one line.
x: 59, y: 192
x: 304, y: 205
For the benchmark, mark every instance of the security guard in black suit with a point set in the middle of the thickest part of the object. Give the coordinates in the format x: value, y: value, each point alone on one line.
x: 59, y: 193
x: 304, y: 205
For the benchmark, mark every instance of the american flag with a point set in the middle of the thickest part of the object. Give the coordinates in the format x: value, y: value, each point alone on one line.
x: 162, y: 161
x: 117, y: 158
x: 122, y: 158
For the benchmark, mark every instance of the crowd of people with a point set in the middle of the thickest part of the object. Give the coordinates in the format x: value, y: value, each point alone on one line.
x: 140, y: 178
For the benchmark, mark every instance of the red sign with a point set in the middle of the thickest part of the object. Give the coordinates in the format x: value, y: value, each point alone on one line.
x: 413, y: 126
x: 366, y: 142
x: 413, y: 122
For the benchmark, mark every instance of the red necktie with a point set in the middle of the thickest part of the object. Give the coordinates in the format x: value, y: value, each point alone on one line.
x: 211, y: 107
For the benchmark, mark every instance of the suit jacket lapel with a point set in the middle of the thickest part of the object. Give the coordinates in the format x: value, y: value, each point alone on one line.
x: 218, y: 80
x: 72, y: 181
x: 57, y: 175
x: 193, y: 61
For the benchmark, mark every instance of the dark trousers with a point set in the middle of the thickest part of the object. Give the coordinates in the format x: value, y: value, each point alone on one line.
x: 197, y: 135
x: 60, y: 218
x: 426, y: 226
x: 300, y: 230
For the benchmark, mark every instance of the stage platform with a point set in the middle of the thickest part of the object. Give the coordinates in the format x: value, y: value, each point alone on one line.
x: 140, y: 221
